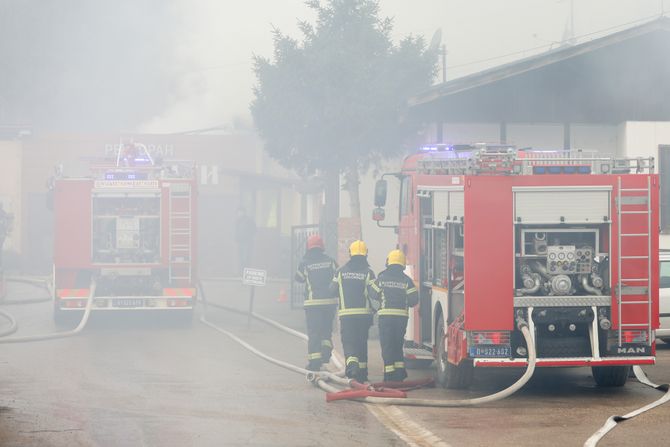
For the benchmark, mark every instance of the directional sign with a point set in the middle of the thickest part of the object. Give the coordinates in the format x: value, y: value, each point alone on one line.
x: 254, y: 277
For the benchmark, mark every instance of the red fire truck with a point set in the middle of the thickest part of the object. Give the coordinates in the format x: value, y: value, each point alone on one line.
x: 129, y: 227
x: 566, y: 239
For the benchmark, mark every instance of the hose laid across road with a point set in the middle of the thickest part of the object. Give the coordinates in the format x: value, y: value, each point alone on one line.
x: 253, y: 350
x: 41, y: 283
x: 12, y: 324
x: 56, y: 335
x: 613, y: 421
x: 442, y: 403
x: 321, y: 379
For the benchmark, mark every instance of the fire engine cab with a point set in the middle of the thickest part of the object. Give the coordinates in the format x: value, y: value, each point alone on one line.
x: 566, y: 239
x: 130, y: 228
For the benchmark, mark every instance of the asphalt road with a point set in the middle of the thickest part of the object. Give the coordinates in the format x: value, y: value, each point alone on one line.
x: 151, y: 380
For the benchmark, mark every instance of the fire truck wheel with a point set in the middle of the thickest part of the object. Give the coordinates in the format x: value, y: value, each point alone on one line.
x: 450, y: 375
x: 610, y: 375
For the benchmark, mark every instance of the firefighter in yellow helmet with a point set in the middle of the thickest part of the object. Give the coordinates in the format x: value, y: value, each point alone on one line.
x: 393, y: 293
x: 351, y: 283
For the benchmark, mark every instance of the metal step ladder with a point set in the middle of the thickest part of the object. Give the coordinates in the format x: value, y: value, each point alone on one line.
x: 634, y: 291
x: 180, y: 236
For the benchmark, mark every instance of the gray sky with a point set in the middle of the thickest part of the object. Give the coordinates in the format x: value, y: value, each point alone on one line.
x: 218, y: 38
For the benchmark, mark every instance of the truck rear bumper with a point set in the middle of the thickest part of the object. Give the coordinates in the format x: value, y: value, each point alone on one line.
x: 565, y: 362
x: 116, y: 303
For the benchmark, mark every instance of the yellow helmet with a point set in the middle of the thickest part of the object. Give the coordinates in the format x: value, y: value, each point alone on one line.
x: 396, y: 257
x: 358, y: 248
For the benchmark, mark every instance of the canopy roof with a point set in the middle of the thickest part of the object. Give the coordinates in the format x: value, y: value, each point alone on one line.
x: 624, y: 76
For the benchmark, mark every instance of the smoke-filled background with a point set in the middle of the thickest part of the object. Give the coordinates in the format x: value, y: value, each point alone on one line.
x: 175, y: 65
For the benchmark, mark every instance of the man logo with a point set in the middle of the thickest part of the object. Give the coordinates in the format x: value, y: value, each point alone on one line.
x: 631, y: 350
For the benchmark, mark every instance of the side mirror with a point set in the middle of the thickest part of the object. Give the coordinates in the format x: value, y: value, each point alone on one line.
x: 378, y: 214
x: 380, y: 193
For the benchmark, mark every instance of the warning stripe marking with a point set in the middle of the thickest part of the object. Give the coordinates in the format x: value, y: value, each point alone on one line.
x: 404, y: 427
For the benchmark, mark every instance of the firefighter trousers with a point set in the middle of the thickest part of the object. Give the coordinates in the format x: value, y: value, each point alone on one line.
x: 392, y: 338
x: 319, y: 333
x: 354, y: 330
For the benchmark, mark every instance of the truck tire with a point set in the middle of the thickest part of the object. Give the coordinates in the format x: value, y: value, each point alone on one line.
x: 610, y: 376
x: 449, y: 375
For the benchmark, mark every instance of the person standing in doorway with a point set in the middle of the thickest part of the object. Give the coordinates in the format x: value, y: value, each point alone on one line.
x: 316, y: 271
x: 245, y: 233
x: 395, y: 293
x: 351, y: 285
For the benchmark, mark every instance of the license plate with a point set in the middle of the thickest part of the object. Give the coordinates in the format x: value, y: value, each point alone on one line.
x: 128, y: 302
x: 491, y: 351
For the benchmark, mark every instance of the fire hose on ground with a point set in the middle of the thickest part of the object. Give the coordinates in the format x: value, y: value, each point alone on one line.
x: 323, y: 380
x: 56, y: 335
x: 613, y: 421
x: 380, y: 395
x: 42, y: 283
x: 13, y: 327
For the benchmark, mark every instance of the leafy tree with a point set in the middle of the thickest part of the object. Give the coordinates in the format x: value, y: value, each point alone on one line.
x: 334, y: 101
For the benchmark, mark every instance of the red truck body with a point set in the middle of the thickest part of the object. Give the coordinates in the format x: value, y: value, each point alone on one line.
x: 566, y: 240
x: 131, y: 230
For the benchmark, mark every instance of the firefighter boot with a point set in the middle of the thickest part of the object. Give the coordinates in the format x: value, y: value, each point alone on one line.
x: 326, y: 350
x: 315, y: 362
x: 389, y: 373
x: 400, y: 371
x: 352, y: 369
x: 362, y: 375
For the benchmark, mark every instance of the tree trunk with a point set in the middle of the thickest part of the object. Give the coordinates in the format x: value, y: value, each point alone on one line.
x: 331, y: 212
x: 351, y: 184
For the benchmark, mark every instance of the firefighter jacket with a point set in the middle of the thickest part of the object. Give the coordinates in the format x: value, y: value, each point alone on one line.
x: 394, y: 291
x: 316, y: 270
x: 351, y: 283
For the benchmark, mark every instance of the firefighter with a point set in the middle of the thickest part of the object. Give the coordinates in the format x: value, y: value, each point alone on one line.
x: 395, y: 293
x: 316, y: 270
x: 351, y: 282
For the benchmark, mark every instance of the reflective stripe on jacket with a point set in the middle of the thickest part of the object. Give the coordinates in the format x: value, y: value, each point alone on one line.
x: 316, y: 270
x: 394, y: 291
x: 351, y: 283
